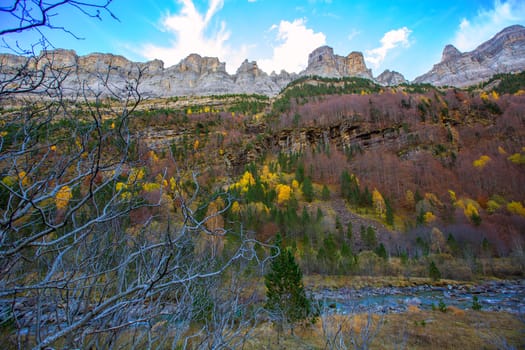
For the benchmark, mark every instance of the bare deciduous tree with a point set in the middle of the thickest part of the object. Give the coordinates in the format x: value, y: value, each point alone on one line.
x: 74, y: 272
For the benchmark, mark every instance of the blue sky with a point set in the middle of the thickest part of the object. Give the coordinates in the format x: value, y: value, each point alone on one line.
x: 407, y: 36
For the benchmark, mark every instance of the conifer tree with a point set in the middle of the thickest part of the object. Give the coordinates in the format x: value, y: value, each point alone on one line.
x: 286, y: 298
x: 434, y: 272
x: 308, y: 189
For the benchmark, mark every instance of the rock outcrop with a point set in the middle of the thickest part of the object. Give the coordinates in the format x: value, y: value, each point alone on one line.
x: 323, y: 62
x: 106, y: 74
x: 391, y: 78
x: 504, y: 53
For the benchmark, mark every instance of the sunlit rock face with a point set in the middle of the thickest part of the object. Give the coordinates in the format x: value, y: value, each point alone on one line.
x: 504, y: 53
x: 391, y: 78
x: 323, y: 62
x: 101, y: 74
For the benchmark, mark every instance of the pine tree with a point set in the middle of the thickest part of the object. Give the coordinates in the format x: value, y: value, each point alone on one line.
x: 325, y: 194
x: 286, y: 298
x: 308, y: 189
x: 434, y: 272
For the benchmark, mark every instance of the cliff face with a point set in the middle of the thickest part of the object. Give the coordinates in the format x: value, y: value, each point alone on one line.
x: 504, y: 53
x: 323, y: 62
x: 106, y: 74
x: 391, y: 78
x: 194, y: 75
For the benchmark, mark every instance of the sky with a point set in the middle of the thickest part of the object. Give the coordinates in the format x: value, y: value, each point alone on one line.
x: 407, y: 36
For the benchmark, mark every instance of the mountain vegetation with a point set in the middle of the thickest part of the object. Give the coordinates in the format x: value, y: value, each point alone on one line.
x: 132, y: 221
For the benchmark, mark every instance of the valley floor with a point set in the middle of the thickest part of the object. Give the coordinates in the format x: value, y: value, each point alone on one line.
x: 415, y: 329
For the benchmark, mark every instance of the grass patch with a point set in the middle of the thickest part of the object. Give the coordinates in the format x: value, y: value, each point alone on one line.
x: 412, y: 330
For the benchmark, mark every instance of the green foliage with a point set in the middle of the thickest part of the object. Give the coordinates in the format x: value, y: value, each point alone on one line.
x: 453, y: 245
x: 289, y: 161
x: 285, y: 296
x: 352, y: 193
x: 381, y: 251
x: 299, y: 173
x: 296, y: 119
x: 417, y: 88
x: 476, y: 305
x: 308, y: 189
x: 320, y: 215
x: 509, y: 83
x: 349, y: 231
x: 249, y: 104
x: 476, y: 219
x: 442, y: 306
x: 301, y: 89
x: 325, y: 193
x: 369, y: 237
x: 433, y: 271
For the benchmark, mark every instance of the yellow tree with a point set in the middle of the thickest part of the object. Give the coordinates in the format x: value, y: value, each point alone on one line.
x: 63, y: 197
x: 379, y: 202
x: 284, y: 193
x: 481, y: 162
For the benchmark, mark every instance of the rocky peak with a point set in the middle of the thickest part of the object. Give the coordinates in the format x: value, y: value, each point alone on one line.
x: 249, y: 68
x: 355, y: 64
x: 154, y: 66
x: 323, y: 62
x: 503, y: 53
x: 505, y: 38
x: 196, y: 64
x: 391, y: 78
x: 449, y: 53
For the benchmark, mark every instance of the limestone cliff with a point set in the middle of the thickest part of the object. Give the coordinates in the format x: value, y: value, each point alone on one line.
x: 323, y: 62
x: 504, y: 53
x: 106, y: 74
x: 391, y: 78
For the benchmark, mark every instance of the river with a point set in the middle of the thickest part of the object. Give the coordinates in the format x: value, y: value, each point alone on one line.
x: 504, y: 296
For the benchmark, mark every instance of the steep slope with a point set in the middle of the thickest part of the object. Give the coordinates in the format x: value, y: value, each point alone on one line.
x: 504, y: 53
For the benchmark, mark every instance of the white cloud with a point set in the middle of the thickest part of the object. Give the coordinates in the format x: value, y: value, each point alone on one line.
x: 487, y: 23
x: 353, y: 34
x: 189, y: 28
x: 295, y: 42
x: 389, y: 41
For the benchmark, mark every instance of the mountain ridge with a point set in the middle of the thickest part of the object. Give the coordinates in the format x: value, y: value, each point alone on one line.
x: 503, y: 53
x: 196, y: 75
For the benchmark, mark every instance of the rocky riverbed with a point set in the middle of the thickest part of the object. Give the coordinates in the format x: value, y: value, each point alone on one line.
x: 503, y: 296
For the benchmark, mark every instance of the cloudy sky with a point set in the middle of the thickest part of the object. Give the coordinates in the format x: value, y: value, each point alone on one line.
x: 407, y: 36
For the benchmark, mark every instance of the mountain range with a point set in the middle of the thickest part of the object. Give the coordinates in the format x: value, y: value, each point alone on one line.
x: 200, y: 76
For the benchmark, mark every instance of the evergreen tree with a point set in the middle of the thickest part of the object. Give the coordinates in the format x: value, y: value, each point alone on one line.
x: 325, y: 194
x: 369, y: 237
x: 286, y: 298
x: 308, y: 189
x: 434, y: 272
x: 381, y: 251
x: 349, y: 232
x: 299, y: 173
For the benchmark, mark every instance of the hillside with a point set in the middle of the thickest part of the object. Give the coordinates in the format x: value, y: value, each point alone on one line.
x: 446, y: 160
x: 412, y: 182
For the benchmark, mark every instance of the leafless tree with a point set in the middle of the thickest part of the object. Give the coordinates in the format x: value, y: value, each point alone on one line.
x: 40, y: 16
x: 74, y: 272
x: 355, y: 330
